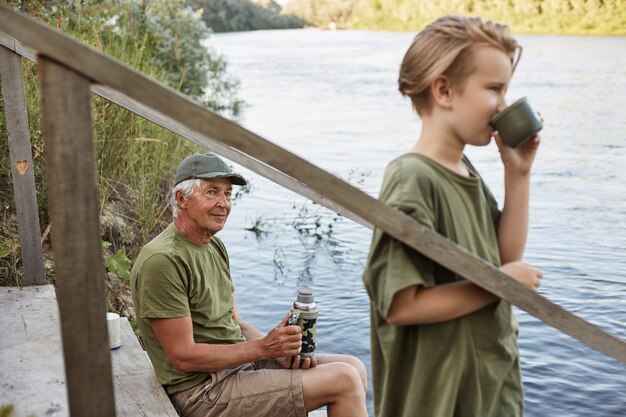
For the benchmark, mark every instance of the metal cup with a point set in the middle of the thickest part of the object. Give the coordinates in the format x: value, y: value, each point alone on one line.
x: 517, y: 123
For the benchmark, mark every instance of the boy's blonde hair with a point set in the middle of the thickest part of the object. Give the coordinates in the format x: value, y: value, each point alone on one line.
x: 446, y: 47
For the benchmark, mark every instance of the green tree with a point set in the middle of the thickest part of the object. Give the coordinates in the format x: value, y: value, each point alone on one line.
x: 524, y: 16
x: 324, y: 11
x: 241, y: 15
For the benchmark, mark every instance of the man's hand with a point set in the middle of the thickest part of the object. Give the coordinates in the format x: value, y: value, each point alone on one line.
x: 282, y: 340
x: 291, y: 362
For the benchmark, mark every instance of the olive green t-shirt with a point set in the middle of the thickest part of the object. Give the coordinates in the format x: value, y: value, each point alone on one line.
x: 467, y: 367
x: 174, y: 277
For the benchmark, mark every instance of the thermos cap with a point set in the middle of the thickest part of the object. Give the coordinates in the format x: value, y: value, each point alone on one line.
x: 305, y: 296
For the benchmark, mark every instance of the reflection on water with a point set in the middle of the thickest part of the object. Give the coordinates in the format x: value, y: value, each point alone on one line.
x: 331, y: 97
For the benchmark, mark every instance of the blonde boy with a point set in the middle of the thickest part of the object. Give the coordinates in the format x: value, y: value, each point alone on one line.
x: 441, y: 346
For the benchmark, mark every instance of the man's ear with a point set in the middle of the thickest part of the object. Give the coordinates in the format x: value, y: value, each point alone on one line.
x: 441, y: 91
x: 180, y: 199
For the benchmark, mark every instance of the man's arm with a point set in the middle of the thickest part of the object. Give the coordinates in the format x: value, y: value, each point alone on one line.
x: 176, y: 337
x: 251, y: 333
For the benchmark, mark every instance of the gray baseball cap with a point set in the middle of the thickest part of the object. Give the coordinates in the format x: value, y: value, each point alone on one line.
x: 206, y: 166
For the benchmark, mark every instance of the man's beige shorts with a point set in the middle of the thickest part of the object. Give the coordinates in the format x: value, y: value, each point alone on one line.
x: 261, y: 389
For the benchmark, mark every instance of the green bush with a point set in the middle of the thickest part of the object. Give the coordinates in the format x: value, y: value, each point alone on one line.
x: 240, y: 15
x: 524, y: 16
x: 160, y: 38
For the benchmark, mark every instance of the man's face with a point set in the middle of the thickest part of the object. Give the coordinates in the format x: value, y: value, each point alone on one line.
x: 207, y: 209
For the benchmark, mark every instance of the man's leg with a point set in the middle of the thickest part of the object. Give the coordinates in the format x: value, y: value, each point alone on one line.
x: 339, y: 382
x: 350, y: 360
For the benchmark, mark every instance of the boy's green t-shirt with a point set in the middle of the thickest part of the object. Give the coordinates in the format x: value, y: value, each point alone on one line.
x: 467, y: 367
x: 174, y: 277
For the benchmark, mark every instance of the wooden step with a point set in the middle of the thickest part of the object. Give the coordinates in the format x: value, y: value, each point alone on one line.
x: 32, y: 373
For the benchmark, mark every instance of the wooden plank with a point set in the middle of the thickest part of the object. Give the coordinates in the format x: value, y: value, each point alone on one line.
x: 73, y: 206
x: 166, y: 101
x: 31, y: 361
x: 137, y: 390
x: 18, y: 47
x: 22, y: 167
x: 31, y: 354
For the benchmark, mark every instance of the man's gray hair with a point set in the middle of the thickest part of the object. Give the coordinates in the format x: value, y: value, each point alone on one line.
x: 187, y: 187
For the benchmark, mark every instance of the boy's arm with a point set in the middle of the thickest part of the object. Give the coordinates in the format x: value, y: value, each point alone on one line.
x: 419, y: 305
x: 513, y: 227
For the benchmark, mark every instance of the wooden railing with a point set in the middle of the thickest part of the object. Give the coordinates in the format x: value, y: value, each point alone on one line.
x: 68, y: 71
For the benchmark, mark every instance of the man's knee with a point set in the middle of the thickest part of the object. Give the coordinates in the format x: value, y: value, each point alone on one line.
x: 360, y: 368
x: 355, y: 363
x: 346, y: 378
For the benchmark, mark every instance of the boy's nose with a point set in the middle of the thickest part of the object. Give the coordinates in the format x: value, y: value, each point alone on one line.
x: 501, y: 104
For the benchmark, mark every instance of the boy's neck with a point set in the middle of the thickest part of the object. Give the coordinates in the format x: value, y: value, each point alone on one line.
x: 441, y: 147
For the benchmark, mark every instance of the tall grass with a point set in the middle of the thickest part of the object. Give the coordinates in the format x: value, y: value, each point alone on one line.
x: 135, y: 159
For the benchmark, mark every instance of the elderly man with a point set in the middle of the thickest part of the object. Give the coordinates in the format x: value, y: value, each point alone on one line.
x: 209, y: 360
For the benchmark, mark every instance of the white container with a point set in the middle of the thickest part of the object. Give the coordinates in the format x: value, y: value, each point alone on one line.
x: 113, y: 324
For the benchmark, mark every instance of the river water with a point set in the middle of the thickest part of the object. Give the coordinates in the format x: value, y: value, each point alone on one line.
x: 331, y: 97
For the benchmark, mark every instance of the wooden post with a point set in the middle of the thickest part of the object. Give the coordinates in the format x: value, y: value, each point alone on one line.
x: 22, y: 168
x: 73, y: 205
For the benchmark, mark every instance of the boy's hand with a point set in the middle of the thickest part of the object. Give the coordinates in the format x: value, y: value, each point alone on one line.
x: 524, y: 274
x: 518, y: 160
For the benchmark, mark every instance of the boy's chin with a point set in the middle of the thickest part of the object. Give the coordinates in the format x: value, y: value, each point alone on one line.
x: 482, y: 142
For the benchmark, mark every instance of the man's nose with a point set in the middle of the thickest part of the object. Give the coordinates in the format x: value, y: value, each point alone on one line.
x: 222, y: 201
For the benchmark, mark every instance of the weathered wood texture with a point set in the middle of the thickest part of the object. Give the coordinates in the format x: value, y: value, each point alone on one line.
x: 137, y: 390
x: 168, y: 102
x: 31, y: 361
x: 31, y: 354
x: 73, y: 207
x: 22, y: 167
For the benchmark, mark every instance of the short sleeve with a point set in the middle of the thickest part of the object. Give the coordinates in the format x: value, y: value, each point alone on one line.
x: 393, y: 266
x: 162, y: 290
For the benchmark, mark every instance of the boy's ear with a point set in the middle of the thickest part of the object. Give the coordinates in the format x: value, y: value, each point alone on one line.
x: 441, y: 91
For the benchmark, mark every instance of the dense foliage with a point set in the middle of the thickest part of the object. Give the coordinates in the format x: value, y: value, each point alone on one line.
x: 322, y: 12
x: 164, y: 39
x: 240, y: 15
x: 524, y: 16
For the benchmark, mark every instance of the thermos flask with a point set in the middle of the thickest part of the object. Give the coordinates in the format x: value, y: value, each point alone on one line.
x: 304, y: 314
